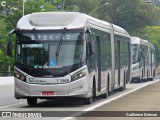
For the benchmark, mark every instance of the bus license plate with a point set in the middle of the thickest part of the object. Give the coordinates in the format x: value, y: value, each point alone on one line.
x: 48, y: 93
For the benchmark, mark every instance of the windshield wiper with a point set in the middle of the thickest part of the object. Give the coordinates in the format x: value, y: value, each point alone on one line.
x: 36, y: 39
x: 35, y: 34
x: 59, y: 45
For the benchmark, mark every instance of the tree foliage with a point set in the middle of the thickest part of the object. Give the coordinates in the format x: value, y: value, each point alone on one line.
x: 132, y: 15
x: 152, y: 34
x: 129, y: 14
x: 87, y: 6
x: 9, y: 16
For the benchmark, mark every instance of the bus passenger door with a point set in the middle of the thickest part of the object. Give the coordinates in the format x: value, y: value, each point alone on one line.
x: 117, y: 63
x: 143, y: 62
x: 98, y: 59
x: 151, y: 63
x: 129, y: 64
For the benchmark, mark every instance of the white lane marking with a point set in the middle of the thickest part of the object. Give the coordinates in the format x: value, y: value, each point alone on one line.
x: 95, y: 106
x: 12, y: 105
x: 107, y: 101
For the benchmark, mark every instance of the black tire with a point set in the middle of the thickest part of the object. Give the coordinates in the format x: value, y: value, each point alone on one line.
x: 94, y: 88
x: 124, y: 84
x: 128, y: 79
x: 88, y: 101
x: 105, y: 95
x: 147, y: 79
x: 147, y: 76
x: 151, y: 79
x: 123, y: 87
x: 154, y: 73
x: 32, y: 101
x: 139, y: 80
x: 125, y: 81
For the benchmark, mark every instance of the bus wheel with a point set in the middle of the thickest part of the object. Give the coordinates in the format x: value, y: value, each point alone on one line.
x: 105, y: 95
x: 139, y: 80
x: 151, y: 79
x: 124, y: 84
x: 154, y: 73
x: 146, y: 79
x: 87, y: 101
x: 147, y: 76
x: 32, y: 101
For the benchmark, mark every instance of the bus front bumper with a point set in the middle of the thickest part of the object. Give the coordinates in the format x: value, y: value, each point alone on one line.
x: 135, y: 74
x: 77, y: 88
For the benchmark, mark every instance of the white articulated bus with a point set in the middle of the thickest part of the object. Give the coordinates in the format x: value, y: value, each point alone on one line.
x: 69, y: 54
x: 143, y: 60
x: 152, y: 61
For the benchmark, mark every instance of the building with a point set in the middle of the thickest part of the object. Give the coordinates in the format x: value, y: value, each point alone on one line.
x: 155, y: 2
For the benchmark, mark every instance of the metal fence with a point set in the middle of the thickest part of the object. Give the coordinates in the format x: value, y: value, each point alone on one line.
x: 5, y: 74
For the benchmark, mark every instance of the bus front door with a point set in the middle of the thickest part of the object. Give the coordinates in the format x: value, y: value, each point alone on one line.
x: 98, y: 59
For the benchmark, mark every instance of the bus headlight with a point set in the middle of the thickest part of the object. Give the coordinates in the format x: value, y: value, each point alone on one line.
x: 79, y: 75
x: 135, y: 67
x: 19, y: 76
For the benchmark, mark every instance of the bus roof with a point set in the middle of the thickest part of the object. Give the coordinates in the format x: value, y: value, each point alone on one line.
x: 151, y: 46
x: 55, y: 20
x: 61, y: 20
x: 137, y: 40
x: 118, y: 30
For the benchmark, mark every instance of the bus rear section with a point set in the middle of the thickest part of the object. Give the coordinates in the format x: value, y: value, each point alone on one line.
x: 141, y: 60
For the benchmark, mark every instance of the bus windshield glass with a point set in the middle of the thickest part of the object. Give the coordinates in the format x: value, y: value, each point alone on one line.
x: 134, y: 53
x: 38, y: 50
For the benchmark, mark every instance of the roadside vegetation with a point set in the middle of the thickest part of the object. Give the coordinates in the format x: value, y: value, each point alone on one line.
x: 138, y: 18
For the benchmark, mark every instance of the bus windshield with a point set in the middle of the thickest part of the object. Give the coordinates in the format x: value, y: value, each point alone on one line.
x: 134, y: 53
x: 38, y: 50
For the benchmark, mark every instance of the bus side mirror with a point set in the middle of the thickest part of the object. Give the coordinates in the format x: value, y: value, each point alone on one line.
x: 9, y: 44
x: 88, y: 32
x: 88, y: 35
x: 9, y: 48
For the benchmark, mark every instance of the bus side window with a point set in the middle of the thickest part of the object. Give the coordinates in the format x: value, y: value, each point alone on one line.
x: 142, y: 52
x: 139, y: 57
x: 89, y: 49
x: 90, y: 56
x: 142, y: 55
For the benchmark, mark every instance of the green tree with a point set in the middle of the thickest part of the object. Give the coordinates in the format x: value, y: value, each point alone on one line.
x: 132, y: 15
x: 152, y: 35
x: 87, y: 6
x: 129, y: 14
x: 9, y: 16
x: 14, y: 9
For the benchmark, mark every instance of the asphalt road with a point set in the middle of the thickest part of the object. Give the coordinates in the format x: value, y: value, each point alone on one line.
x: 117, y: 101
x: 143, y: 104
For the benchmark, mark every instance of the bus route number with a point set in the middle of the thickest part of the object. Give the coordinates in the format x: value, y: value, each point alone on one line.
x: 62, y: 80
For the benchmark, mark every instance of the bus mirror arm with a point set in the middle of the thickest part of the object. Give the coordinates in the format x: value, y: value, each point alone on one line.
x: 9, y: 44
x: 9, y: 48
x: 12, y: 32
x: 88, y: 32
